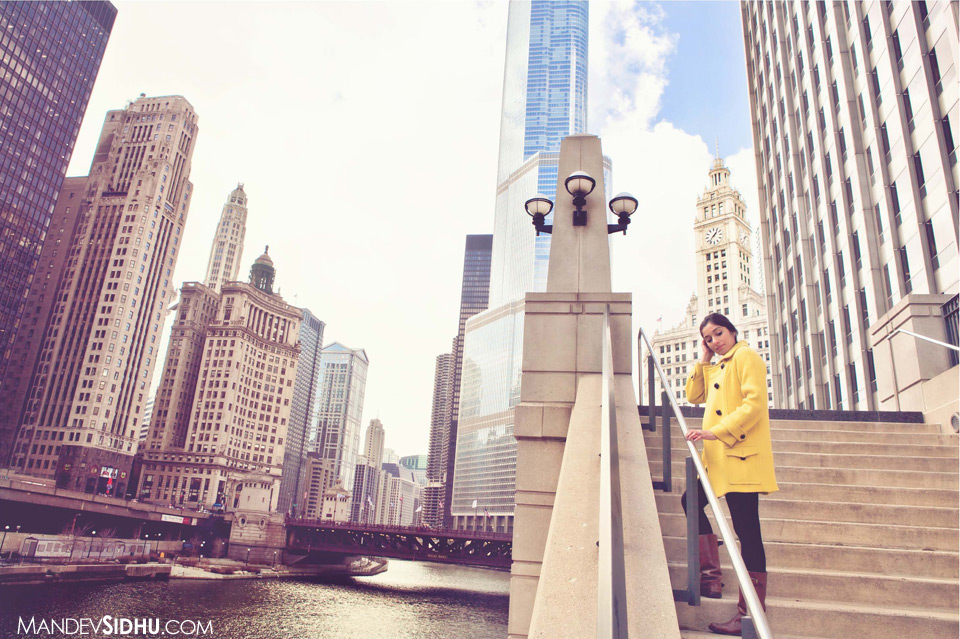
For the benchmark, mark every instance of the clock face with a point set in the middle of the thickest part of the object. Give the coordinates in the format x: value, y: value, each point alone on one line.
x: 714, y: 235
x: 744, y: 238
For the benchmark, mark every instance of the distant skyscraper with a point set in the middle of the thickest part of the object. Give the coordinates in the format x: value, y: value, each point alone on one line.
x: 50, y: 54
x: 439, y: 440
x: 373, y: 443
x: 147, y: 416
x: 368, y: 475
x: 725, y: 283
x: 85, y: 363
x: 474, y: 297
x: 855, y: 120
x: 224, y: 442
x: 336, y: 434
x: 227, y: 246
x: 544, y: 100
x: 303, y: 409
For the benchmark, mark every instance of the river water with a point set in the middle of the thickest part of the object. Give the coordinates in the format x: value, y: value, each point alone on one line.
x: 409, y: 601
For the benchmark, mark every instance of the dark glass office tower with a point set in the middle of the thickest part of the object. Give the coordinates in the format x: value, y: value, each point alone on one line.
x: 474, y: 296
x: 50, y: 54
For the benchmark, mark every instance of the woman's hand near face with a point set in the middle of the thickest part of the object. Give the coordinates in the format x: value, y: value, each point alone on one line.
x: 696, y: 434
x: 706, y: 355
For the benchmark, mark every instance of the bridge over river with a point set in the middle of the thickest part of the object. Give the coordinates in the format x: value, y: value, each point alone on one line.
x: 469, y: 548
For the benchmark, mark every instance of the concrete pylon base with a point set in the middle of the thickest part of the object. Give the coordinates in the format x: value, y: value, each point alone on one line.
x: 553, y: 590
x: 566, y: 599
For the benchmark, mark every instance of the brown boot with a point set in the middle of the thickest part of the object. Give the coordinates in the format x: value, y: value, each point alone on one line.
x: 733, y: 627
x: 711, y: 585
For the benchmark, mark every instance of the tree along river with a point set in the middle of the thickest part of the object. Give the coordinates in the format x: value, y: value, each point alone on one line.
x: 410, y: 600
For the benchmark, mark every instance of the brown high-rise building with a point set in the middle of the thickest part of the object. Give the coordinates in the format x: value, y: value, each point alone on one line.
x: 217, y: 437
x: 74, y: 397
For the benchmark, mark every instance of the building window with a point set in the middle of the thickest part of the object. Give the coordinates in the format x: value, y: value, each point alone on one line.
x: 931, y: 244
x: 905, y: 266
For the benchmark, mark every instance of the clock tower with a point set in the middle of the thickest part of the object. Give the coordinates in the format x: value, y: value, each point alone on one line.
x: 725, y: 270
x: 725, y: 280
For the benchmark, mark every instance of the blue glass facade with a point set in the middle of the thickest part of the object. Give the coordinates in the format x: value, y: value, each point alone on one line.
x: 303, y: 408
x: 544, y: 100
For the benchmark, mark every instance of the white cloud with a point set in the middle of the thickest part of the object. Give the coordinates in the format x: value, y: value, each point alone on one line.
x: 663, y: 166
x: 628, y: 52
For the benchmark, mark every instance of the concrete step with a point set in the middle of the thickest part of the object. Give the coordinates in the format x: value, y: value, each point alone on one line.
x: 831, y: 620
x: 855, y: 446
x: 773, y: 508
x: 874, y: 427
x: 843, y: 476
x: 890, y: 495
x: 706, y: 634
x: 839, y: 533
x: 845, y: 587
x: 830, y: 460
x: 902, y: 562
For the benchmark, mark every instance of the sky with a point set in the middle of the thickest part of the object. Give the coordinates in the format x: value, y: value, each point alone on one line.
x: 366, y: 133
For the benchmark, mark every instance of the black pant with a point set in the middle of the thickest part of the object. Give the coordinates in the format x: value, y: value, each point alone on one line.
x: 745, y: 512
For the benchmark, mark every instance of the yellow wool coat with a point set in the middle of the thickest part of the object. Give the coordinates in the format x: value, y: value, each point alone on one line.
x: 734, y: 389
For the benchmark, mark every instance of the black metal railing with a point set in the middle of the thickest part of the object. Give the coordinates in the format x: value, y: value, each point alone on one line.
x: 755, y: 623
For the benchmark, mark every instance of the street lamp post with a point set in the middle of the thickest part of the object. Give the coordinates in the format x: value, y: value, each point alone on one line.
x: 248, y: 555
x: 580, y: 185
x: 3, y: 539
x: 90, y: 545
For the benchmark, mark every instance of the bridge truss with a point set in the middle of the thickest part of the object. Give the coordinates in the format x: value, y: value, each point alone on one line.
x: 471, y: 548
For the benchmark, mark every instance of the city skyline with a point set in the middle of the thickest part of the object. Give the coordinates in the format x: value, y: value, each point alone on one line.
x: 632, y: 48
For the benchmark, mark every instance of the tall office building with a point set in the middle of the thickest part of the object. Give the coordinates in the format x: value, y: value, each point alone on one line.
x: 145, y: 422
x: 855, y: 112
x: 439, y: 440
x: 223, y: 408
x: 368, y: 475
x: 373, y: 443
x: 725, y: 284
x: 227, y: 249
x: 303, y: 409
x: 336, y: 433
x: 88, y: 348
x: 544, y: 100
x: 474, y: 298
x: 50, y: 54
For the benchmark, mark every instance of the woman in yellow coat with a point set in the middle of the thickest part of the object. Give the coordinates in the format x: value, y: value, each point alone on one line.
x: 737, y: 453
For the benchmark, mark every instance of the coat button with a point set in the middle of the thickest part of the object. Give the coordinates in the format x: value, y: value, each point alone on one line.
x: 743, y: 436
x: 743, y: 458
x: 719, y: 413
x: 722, y: 365
x: 716, y: 385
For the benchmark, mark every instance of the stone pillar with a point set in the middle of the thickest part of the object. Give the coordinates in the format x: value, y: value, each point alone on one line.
x: 263, y: 533
x: 553, y: 586
x: 903, y: 362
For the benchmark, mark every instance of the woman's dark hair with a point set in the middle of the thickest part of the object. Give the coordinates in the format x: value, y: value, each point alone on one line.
x: 720, y: 320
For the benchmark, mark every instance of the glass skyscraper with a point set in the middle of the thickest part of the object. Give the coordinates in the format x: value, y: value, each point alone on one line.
x: 50, y: 54
x: 303, y: 408
x: 335, y: 434
x: 544, y: 100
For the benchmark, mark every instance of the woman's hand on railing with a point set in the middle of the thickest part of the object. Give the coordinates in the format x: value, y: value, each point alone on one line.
x: 696, y: 434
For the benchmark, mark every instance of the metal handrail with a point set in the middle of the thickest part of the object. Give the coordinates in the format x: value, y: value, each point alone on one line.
x: 925, y: 338
x: 611, y: 576
x: 756, y: 612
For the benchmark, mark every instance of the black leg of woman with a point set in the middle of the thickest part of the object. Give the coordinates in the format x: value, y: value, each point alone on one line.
x: 745, y: 512
x: 705, y: 528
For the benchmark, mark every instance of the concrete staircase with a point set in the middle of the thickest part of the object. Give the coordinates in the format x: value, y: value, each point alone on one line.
x: 862, y: 540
